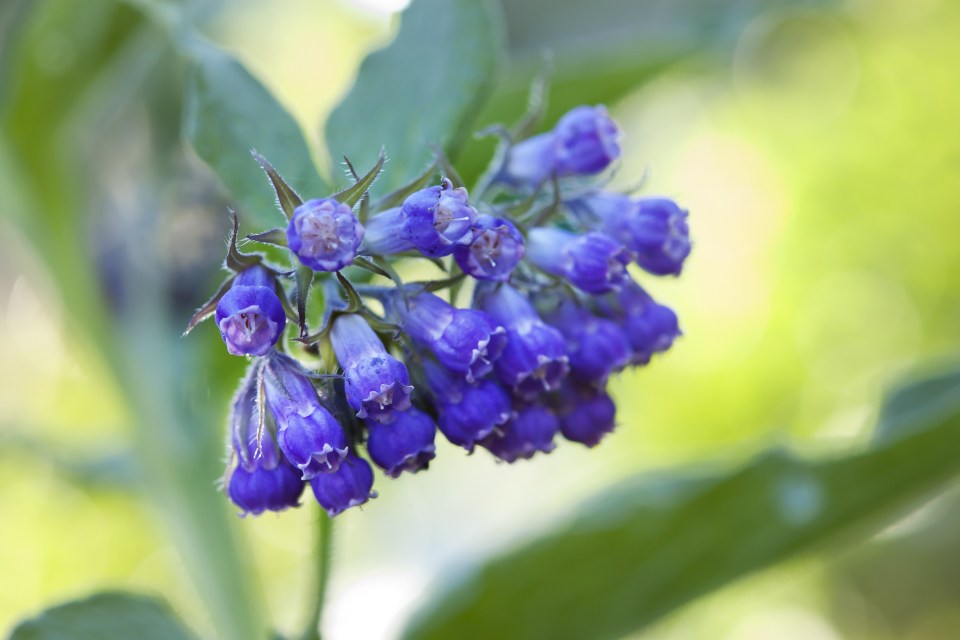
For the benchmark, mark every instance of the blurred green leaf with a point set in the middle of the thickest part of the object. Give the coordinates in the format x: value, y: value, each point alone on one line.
x: 640, y: 551
x: 605, y: 49
x: 905, y: 408
x: 114, y: 469
x: 105, y: 616
x: 424, y: 89
x: 52, y: 170
x: 228, y: 114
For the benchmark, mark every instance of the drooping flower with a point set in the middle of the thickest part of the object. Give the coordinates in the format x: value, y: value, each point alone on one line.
x: 434, y: 221
x: 584, y: 142
x: 586, y: 413
x: 261, y: 479
x: 534, y: 360
x: 468, y: 413
x: 587, y: 141
x: 650, y: 326
x: 324, y: 234
x: 495, y: 249
x: 250, y: 316
x: 531, y: 428
x: 350, y: 485
x: 377, y: 384
x: 467, y: 341
x: 655, y: 229
x: 596, y: 346
x: 437, y: 219
x: 308, y: 434
x: 406, y: 444
x: 593, y: 262
x: 553, y: 314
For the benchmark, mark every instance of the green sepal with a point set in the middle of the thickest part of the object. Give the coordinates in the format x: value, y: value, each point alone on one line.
x: 352, y: 195
x: 276, y: 237
x: 380, y: 325
x: 369, y: 265
x: 334, y: 307
x: 456, y: 286
x: 304, y: 278
x: 543, y: 215
x: 288, y: 309
x: 438, y: 262
x: 207, y: 308
x: 524, y: 207
x: 438, y: 285
x: 287, y: 198
x: 354, y: 301
x: 536, y: 103
x: 448, y: 169
x: 380, y: 267
x: 235, y: 260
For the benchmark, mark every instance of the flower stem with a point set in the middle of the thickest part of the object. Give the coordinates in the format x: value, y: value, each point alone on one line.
x: 324, y: 551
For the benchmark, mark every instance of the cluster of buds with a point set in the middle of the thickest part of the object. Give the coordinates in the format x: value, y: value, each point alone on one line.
x: 510, y: 350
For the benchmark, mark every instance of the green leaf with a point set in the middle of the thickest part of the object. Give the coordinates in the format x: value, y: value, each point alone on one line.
x: 904, y: 408
x: 630, y: 44
x: 105, y: 616
x: 228, y: 113
x: 424, y: 89
x: 640, y: 551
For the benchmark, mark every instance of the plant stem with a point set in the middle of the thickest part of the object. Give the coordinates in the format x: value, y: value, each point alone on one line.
x: 324, y: 551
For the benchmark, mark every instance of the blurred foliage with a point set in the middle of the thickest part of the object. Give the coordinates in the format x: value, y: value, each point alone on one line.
x: 224, y: 130
x: 811, y: 143
x: 107, y: 616
x: 423, y: 91
x: 642, y: 549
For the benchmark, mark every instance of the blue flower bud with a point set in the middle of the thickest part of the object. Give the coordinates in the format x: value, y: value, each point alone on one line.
x: 308, y: 434
x: 467, y: 341
x: 383, y: 233
x: 250, y: 316
x: 433, y: 221
x: 530, y: 162
x: 349, y: 486
x: 376, y: 383
x: 406, y: 444
x: 529, y: 430
x: 325, y: 234
x: 496, y: 248
x: 262, y: 480
x: 596, y: 346
x: 535, y: 358
x: 650, y: 327
x: 587, y: 414
x: 593, y: 262
x: 655, y: 229
x: 586, y: 141
x: 437, y: 219
x: 468, y: 413
x: 264, y: 488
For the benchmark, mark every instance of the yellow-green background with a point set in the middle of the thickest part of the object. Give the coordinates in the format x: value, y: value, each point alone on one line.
x: 820, y: 159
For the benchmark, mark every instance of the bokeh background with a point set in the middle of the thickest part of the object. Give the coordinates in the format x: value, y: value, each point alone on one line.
x: 815, y: 144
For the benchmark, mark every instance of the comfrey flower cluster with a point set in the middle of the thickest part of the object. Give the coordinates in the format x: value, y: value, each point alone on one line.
x: 509, y: 351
